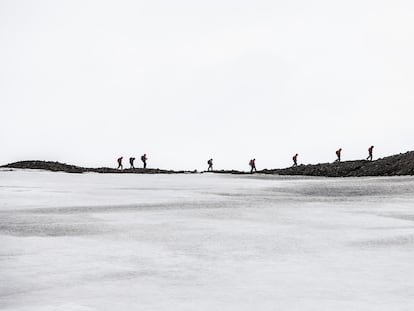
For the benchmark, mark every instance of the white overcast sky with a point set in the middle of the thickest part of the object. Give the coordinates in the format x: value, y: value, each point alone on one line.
x: 84, y: 82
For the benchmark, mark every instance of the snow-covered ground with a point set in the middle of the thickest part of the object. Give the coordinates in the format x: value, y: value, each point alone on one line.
x: 205, y: 242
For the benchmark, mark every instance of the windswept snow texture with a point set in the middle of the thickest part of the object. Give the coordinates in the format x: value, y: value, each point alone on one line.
x: 205, y: 242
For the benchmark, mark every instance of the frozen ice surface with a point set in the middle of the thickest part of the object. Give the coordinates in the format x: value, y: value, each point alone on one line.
x: 205, y: 242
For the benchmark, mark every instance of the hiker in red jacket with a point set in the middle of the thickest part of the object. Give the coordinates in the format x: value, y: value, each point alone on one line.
x: 252, y: 164
x: 144, y: 160
x: 338, y: 154
x: 120, y: 163
x: 210, y: 165
x: 295, y: 160
x: 370, y: 153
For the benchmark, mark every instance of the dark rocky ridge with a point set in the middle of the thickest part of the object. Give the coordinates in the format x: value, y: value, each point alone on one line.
x: 62, y: 167
x: 400, y: 164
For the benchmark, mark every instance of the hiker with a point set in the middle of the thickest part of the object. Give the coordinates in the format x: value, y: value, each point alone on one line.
x: 338, y: 154
x: 131, y: 162
x: 370, y: 153
x: 210, y: 165
x: 252, y: 164
x: 295, y: 160
x: 144, y: 160
x: 120, y: 163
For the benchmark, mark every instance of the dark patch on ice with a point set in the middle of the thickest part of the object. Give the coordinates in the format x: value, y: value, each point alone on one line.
x: 344, y: 190
x: 41, y: 225
x: 391, y: 228
x: 20, y: 187
x: 386, y: 242
x: 125, y: 208
x: 400, y: 216
x: 53, y: 229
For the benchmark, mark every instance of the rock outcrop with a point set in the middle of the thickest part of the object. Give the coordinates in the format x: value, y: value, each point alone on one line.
x: 62, y: 167
x: 400, y: 164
